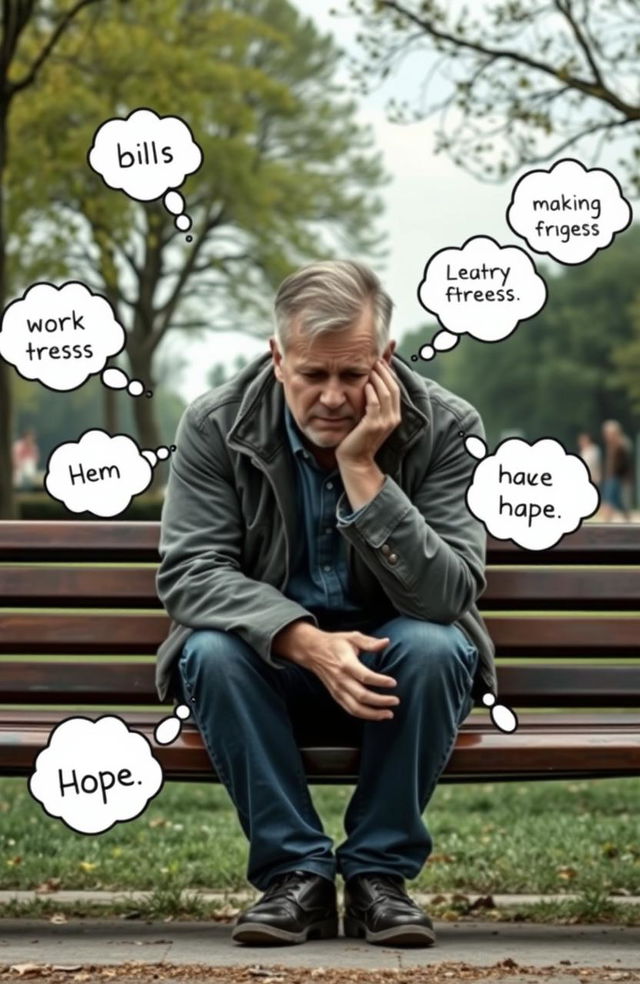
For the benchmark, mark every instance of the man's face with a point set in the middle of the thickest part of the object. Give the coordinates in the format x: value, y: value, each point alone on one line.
x: 324, y: 378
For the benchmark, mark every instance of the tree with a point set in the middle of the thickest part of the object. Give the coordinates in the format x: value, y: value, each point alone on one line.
x: 523, y: 81
x: 565, y: 370
x: 44, y: 25
x: 627, y: 358
x: 287, y: 174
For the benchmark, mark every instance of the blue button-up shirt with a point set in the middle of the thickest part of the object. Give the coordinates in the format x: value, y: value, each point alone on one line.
x: 319, y: 575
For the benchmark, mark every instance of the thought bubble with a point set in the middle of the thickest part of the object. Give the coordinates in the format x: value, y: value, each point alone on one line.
x: 115, y: 378
x: 169, y: 728
x: 568, y: 212
x: 94, y: 774
x: 483, y: 290
x: 99, y: 473
x: 60, y: 335
x: 533, y: 494
x: 147, y: 156
x: 503, y: 717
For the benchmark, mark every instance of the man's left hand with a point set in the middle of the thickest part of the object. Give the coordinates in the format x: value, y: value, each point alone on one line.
x: 381, y: 417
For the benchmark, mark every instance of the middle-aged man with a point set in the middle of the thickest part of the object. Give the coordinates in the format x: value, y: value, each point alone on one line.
x: 321, y: 569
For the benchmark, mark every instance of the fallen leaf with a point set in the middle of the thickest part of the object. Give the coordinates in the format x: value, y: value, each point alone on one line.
x: 58, y: 918
x: 87, y: 865
x: 483, y: 902
x: 457, y: 897
x: 159, y: 822
x: 566, y: 873
x: 50, y: 885
x: 27, y: 969
x: 12, y: 862
x: 66, y: 967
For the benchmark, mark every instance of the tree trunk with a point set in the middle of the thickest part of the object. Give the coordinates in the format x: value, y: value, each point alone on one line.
x: 148, y: 434
x: 109, y: 405
x: 8, y: 508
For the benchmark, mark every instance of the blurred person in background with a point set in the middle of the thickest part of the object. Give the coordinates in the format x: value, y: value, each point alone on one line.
x: 591, y: 455
x: 25, y: 457
x: 618, y: 472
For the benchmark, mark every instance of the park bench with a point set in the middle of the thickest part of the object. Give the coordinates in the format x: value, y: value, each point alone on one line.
x: 566, y: 623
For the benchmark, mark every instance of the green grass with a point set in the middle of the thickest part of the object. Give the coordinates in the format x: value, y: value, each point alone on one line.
x: 549, y: 837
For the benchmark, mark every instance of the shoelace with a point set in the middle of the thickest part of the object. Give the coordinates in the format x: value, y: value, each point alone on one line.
x: 388, y: 888
x: 280, y: 881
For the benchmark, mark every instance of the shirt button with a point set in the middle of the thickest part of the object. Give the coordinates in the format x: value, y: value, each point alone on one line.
x: 386, y: 549
x: 329, y: 485
x: 327, y: 567
x: 393, y: 558
x: 328, y: 529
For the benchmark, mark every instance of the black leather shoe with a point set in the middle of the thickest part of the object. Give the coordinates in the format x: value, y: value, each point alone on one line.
x: 378, y: 909
x: 297, y: 906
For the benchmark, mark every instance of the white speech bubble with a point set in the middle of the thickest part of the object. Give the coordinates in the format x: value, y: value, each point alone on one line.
x: 60, y: 335
x: 144, y: 155
x: 533, y: 494
x: 99, y: 473
x: 483, y: 290
x: 94, y: 774
x: 568, y: 212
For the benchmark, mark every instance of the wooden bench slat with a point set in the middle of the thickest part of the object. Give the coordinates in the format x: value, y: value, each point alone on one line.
x: 78, y: 587
x: 134, y: 587
x: 477, y: 755
x: 68, y: 540
x: 530, y: 721
x: 57, y: 633
x: 109, y: 540
x: 63, y: 681
x: 554, y: 590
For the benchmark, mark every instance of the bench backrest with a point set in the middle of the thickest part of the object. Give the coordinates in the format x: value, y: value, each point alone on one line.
x: 81, y: 621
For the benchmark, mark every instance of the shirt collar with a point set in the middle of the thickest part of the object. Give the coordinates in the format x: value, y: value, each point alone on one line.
x: 293, y: 433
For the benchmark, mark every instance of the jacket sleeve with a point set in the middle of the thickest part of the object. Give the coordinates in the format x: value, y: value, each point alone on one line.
x: 199, y: 580
x: 427, y: 551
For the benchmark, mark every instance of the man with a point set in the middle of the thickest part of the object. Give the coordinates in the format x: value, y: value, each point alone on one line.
x: 321, y: 569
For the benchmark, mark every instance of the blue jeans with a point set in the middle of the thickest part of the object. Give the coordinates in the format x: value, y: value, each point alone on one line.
x: 253, y: 718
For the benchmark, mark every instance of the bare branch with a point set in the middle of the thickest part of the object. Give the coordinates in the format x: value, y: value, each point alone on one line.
x: 40, y: 59
x: 593, y: 89
x: 566, y: 11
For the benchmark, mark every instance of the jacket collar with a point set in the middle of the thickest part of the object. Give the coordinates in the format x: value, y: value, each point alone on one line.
x: 259, y: 430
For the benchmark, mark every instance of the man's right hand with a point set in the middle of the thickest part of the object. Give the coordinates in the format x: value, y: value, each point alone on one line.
x: 333, y: 657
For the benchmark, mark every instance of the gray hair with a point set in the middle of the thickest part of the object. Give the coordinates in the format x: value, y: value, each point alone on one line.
x: 330, y: 296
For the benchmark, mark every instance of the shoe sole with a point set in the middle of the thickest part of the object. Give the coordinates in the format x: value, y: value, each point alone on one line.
x: 403, y: 935
x: 261, y: 934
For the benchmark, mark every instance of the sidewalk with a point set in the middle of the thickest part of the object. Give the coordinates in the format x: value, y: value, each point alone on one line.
x: 477, y: 944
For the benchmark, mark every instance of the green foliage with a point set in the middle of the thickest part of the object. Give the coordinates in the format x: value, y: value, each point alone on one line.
x: 287, y: 173
x: 567, y: 369
x: 60, y: 417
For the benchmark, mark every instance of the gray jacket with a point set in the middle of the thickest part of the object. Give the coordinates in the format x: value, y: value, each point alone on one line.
x: 229, y: 519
